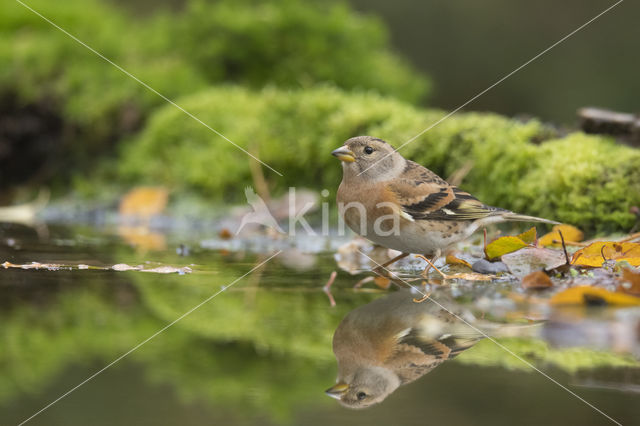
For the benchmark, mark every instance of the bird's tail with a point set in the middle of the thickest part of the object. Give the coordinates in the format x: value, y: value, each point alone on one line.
x: 515, y: 217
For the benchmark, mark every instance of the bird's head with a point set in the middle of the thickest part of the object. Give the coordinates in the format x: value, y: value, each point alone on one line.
x: 369, y: 158
x: 368, y: 386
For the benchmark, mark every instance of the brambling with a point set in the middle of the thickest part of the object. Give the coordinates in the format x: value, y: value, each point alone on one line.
x: 393, y: 341
x: 402, y: 205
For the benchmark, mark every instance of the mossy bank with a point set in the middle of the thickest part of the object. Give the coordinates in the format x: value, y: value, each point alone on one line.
x: 589, y: 181
x: 69, y: 106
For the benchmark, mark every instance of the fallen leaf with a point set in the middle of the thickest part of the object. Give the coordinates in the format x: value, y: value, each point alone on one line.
x: 142, y: 238
x: 569, y: 233
x: 595, y: 254
x: 503, y: 245
x: 169, y: 270
x: 630, y: 282
x: 36, y: 265
x: 470, y: 276
x: 536, y: 279
x: 382, y: 282
x: 144, y: 201
x: 586, y: 295
x: 453, y: 260
x: 225, y: 234
x: 529, y: 259
x: 124, y: 267
x: 529, y: 236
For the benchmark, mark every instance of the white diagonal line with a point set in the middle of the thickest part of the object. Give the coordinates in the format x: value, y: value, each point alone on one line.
x: 496, y: 83
x: 496, y: 342
x: 149, y: 87
x: 147, y: 339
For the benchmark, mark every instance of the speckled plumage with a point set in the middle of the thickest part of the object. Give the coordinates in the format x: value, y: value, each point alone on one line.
x: 430, y: 214
x: 394, y: 341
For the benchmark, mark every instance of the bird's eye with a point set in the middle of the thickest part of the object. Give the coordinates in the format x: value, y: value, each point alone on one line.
x: 368, y: 150
x: 361, y: 396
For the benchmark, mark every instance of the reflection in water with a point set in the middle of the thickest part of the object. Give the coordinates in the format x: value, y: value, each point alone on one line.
x: 394, y: 341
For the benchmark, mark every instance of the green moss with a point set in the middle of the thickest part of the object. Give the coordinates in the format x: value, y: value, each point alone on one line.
x: 292, y: 43
x: 585, y: 180
x: 96, y: 102
x: 538, y: 352
x: 282, y: 42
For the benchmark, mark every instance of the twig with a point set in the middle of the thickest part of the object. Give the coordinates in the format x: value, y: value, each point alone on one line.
x: 259, y: 181
x: 484, y: 231
x: 564, y: 247
x: 363, y: 282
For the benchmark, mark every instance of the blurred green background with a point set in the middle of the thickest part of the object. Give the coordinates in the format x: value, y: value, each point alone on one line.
x: 289, y: 80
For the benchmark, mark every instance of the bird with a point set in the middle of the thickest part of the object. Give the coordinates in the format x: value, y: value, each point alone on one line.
x: 393, y: 341
x: 260, y: 214
x: 399, y: 204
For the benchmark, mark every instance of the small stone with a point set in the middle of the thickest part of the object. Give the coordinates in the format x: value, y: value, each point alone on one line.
x: 483, y: 266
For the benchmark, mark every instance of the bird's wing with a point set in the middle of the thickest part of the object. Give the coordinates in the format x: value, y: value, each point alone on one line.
x: 424, y: 195
x: 415, y: 355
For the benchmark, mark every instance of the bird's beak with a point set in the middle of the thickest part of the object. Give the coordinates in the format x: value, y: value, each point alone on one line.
x: 337, y: 390
x: 344, y: 154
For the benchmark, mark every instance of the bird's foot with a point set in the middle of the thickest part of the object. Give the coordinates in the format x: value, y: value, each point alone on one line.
x: 424, y: 297
x: 425, y: 273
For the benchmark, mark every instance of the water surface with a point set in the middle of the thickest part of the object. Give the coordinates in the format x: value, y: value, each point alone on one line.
x: 260, y: 352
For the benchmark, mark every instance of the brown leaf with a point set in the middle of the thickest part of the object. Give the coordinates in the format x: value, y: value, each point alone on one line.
x: 225, y: 234
x: 144, y: 201
x: 595, y: 254
x: 529, y: 259
x: 536, y: 280
x: 630, y: 282
x: 570, y: 234
x: 382, y: 282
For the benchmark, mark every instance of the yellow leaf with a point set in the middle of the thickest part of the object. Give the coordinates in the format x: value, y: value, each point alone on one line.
x: 595, y: 254
x: 570, y: 233
x: 144, y: 201
x: 453, y: 260
x: 529, y: 236
x: 585, y: 295
x: 503, y: 245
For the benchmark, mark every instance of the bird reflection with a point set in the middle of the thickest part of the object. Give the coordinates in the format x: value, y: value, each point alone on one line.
x: 393, y: 341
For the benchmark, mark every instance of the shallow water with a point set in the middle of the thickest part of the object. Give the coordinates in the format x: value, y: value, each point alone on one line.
x: 260, y: 351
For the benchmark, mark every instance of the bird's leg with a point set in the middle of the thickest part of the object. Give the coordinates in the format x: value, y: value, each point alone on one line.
x: 327, y: 288
x: 425, y: 273
x: 380, y: 269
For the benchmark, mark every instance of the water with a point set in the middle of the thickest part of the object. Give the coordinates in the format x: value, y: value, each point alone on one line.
x: 260, y: 352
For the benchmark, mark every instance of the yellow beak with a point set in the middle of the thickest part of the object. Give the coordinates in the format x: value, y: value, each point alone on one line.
x: 336, y: 391
x: 344, y: 154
